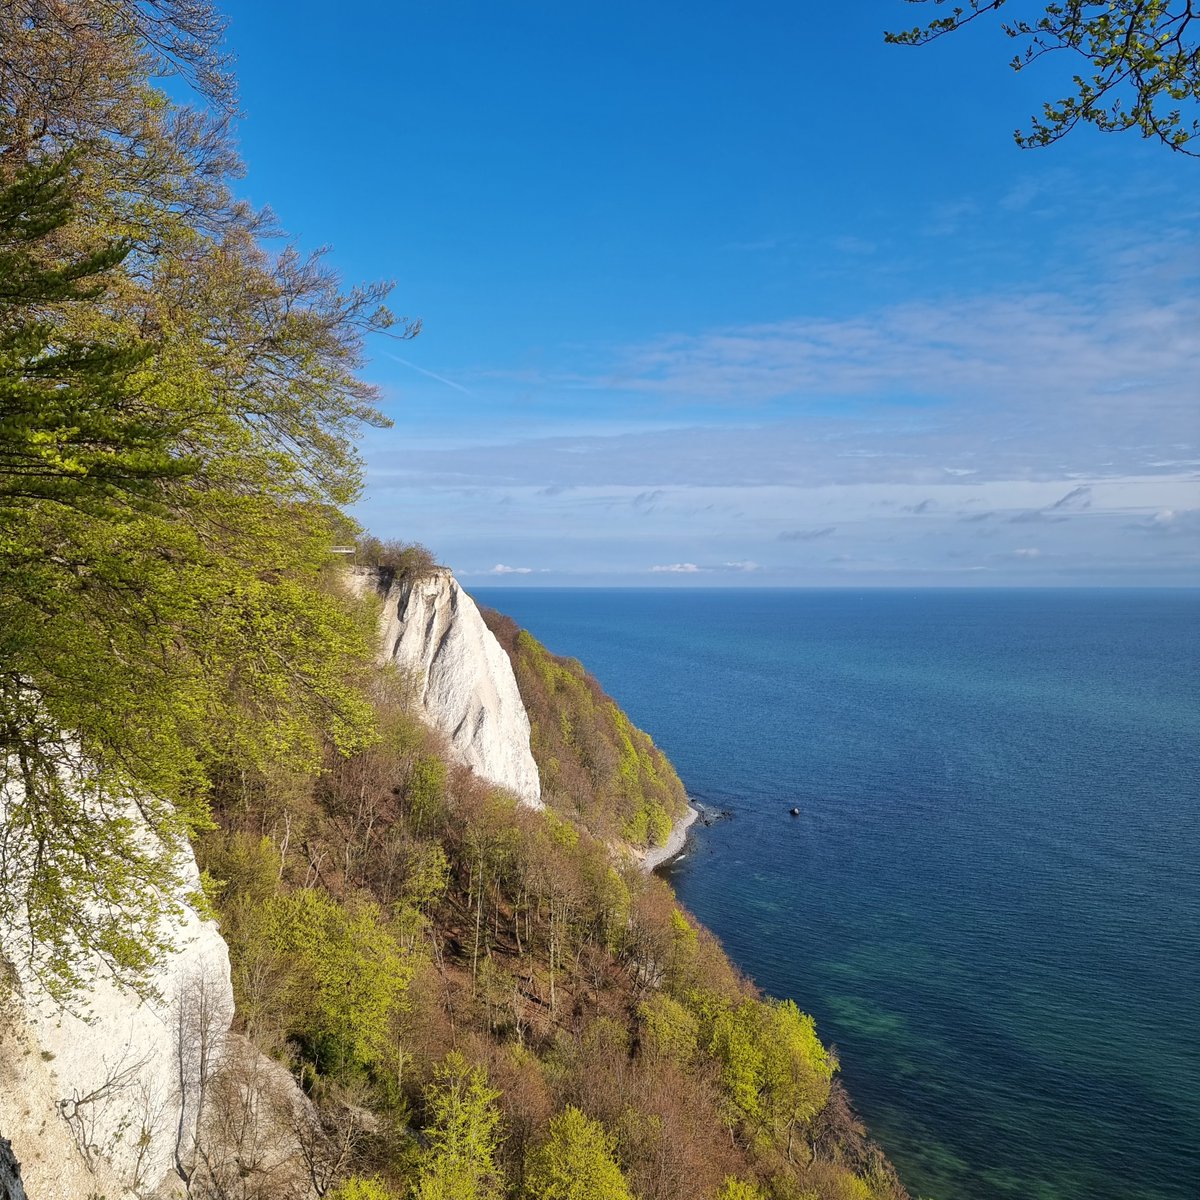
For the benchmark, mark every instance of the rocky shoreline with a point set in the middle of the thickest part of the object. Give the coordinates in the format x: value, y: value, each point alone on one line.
x: 656, y: 856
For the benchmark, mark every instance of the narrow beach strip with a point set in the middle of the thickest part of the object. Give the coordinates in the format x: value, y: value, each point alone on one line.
x: 657, y: 855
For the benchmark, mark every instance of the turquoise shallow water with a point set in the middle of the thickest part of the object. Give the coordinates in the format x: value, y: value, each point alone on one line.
x: 991, y: 900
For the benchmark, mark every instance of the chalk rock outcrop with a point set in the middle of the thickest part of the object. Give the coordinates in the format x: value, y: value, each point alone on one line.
x: 465, y: 681
x: 111, y: 1094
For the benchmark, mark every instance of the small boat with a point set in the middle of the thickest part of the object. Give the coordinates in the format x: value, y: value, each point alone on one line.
x: 795, y: 812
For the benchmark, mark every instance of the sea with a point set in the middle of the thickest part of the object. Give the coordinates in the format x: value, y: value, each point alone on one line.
x: 990, y: 898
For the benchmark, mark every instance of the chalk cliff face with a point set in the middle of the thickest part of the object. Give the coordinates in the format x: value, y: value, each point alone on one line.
x: 107, y: 1102
x: 431, y: 627
x: 111, y: 1095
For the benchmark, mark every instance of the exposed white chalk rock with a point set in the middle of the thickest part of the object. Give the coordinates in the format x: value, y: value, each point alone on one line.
x: 432, y: 628
x: 50, y: 1161
x: 104, y: 1101
x: 111, y: 1088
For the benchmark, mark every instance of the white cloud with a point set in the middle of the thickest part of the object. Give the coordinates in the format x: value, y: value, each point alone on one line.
x: 1038, y: 345
x: 918, y: 438
x: 1177, y: 521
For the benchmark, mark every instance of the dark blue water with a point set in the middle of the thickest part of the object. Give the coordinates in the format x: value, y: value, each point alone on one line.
x: 991, y: 900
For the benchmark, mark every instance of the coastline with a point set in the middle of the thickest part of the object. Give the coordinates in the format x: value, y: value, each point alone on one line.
x: 656, y: 856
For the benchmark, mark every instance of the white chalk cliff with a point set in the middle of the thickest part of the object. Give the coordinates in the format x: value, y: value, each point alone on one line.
x: 106, y: 1102
x: 431, y: 627
x: 108, y: 1097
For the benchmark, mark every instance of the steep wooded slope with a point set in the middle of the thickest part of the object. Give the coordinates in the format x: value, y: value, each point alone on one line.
x: 596, y: 765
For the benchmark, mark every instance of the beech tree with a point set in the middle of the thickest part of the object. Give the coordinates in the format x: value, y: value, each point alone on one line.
x: 1138, y: 63
x: 797, y: 1071
x: 576, y: 1162
x: 737, y: 1189
x: 341, y: 976
x: 178, y: 414
x: 775, y: 1072
x: 460, y: 1162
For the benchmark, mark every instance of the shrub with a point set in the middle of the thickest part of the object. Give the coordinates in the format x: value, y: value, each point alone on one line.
x: 399, y: 559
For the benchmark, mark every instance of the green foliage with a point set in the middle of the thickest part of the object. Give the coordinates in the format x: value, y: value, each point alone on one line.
x: 398, y: 559
x: 576, y: 1162
x: 561, y: 832
x: 203, y: 900
x: 735, y: 1042
x: 338, y: 976
x: 247, y: 866
x: 77, y: 426
x: 160, y: 657
x: 1142, y: 64
x: 359, y: 1188
x: 594, y: 763
x: 774, y: 1070
x: 462, y: 1133
x: 426, y: 875
x: 737, y: 1189
x: 797, y: 1069
x: 426, y: 879
x: 426, y: 792
x: 178, y: 408
x: 669, y: 1030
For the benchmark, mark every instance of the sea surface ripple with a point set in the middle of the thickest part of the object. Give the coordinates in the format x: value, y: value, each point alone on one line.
x: 991, y: 898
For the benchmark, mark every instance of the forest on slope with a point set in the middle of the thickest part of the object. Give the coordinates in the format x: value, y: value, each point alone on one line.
x: 594, y: 763
x: 478, y: 1000
x: 485, y: 1000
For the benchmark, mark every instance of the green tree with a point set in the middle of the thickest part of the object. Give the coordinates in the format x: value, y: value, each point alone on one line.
x: 1140, y: 63
x: 576, y: 1162
x: 736, y: 1189
x: 797, y: 1071
x: 462, y: 1133
x: 76, y: 426
x: 178, y: 409
x: 735, y: 1044
x: 425, y: 793
x: 668, y: 1030
x: 338, y: 976
x: 359, y: 1188
x: 775, y: 1072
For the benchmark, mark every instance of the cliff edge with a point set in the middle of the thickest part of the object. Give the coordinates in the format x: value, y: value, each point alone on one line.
x: 465, y: 683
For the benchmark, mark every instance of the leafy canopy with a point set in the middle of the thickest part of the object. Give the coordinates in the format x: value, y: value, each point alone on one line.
x: 178, y: 414
x: 462, y: 1134
x: 1141, y: 63
x: 341, y: 975
x: 576, y: 1162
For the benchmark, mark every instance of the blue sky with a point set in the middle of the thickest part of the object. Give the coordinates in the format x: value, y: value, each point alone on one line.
x: 721, y: 294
